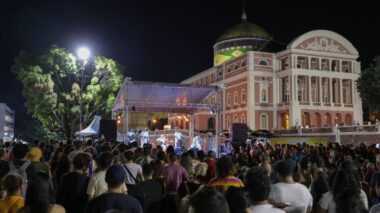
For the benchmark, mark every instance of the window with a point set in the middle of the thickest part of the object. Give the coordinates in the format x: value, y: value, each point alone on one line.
x: 228, y: 122
x: 235, y: 98
x: 228, y: 99
x: 314, y: 63
x: 264, y: 121
x: 243, y: 64
x: 236, y: 120
x: 286, y: 90
x: 302, y: 62
x: 263, y: 63
x: 243, y: 120
x: 236, y: 67
x: 264, y: 95
x: 243, y: 96
x: 325, y: 64
x: 212, y: 100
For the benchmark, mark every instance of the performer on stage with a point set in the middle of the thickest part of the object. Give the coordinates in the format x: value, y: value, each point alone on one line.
x: 162, y: 142
x: 178, y: 138
x: 197, y: 143
x: 144, y: 135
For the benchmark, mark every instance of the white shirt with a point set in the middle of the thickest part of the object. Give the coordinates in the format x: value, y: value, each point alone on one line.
x: 135, y: 169
x: 144, y: 138
x: 327, y: 201
x: 196, y: 143
x: 178, y: 135
x: 98, y: 185
x: 294, y: 193
x: 265, y: 208
x: 375, y: 209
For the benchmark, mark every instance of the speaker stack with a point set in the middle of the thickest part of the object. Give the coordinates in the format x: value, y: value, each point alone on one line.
x: 239, y: 135
x: 108, y: 129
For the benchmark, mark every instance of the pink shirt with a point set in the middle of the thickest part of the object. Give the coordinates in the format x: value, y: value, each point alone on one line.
x: 175, y: 175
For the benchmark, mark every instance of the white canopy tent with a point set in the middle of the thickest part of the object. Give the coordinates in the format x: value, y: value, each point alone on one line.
x: 140, y: 96
x: 92, y: 129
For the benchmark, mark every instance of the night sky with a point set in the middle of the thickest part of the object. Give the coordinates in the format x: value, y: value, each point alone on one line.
x: 166, y: 41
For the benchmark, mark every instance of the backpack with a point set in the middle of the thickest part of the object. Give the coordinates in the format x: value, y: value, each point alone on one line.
x: 185, y: 202
x: 20, y: 170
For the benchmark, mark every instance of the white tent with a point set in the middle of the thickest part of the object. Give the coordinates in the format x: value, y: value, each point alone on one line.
x: 91, y: 130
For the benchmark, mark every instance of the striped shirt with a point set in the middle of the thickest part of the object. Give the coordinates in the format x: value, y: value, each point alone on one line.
x: 222, y: 184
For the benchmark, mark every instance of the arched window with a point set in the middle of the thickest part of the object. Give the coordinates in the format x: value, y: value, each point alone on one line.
x: 264, y: 121
x: 236, y: 120
x: 228, y: 99
x: 264, y: 95
x: 243, y: 120
x: 263, y: 63
x: 243, y: 96
x: 235, y: 98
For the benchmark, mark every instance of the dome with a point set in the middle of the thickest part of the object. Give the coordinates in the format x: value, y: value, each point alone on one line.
x: 244, y: 30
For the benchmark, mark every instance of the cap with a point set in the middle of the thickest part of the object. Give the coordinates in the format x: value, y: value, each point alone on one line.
x: 115, y: 175
x: 35, y: 154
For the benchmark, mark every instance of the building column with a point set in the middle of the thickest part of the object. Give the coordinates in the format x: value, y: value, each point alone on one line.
x: 310, y: 95
x: 320, y: 91
x: 296, y: 88
x: 331, y: 91
x: 341, y: 90
x: 353, y: 94
x: 308, y: 62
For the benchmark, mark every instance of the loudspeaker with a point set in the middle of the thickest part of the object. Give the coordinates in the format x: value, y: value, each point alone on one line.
x: 239, y: 132
x: 108, y: 128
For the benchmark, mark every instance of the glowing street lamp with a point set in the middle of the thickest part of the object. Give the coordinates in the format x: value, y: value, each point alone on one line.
x: 83, y: 54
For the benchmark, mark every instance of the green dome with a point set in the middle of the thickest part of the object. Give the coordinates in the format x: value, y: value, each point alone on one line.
x: 244, y: 30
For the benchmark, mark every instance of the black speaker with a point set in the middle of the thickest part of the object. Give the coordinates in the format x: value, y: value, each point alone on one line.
x: 239, y: 132
x: 108, y: 129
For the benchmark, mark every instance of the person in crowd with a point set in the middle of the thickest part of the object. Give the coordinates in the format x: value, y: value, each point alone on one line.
x: 296, y: 196
x: 346, y: 194
x: 115, y: 199
x: 72, y: 189
x: 237, y: 201
x: 225, y: 178
x: 35, y: 156
x: 12, y: 184
x: 40, y: 196
x: 174, y: 175
x: 97, y: 184
x: 150, y: 192
x: 55, y: 157
x: 374, y: 199
x: 4, y: 167
x: 319, y: 185
x: 370, y: 169
x: 145, y: 158
x: 258, y: 185
x: 195, y: 182
x: 208, y: 201
x: 133, y: 171
x: 78, y: 147
x: 63, y: 166
x: 376, y: 208
x: 186, y: 162
x: 211, y: 166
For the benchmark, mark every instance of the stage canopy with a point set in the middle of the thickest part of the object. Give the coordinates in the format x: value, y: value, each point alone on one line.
x: 91, y: 130
x: 141, y: 96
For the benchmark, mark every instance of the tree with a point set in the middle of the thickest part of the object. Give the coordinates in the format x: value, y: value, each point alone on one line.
x: 368, y: 85
x: 51, y: 87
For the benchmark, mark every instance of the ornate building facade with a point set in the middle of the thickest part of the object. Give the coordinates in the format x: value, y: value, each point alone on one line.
x: 312, y: 83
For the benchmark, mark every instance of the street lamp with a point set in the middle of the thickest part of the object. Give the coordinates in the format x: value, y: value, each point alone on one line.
x: 83, y: 54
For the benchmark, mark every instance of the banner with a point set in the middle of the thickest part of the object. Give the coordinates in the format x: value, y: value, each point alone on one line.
x: 312, y: 141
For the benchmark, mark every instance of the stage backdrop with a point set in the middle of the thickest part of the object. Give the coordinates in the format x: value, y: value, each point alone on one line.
x: 316, y: 141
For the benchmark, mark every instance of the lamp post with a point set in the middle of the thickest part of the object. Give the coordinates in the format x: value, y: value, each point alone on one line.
x: 83, y: 54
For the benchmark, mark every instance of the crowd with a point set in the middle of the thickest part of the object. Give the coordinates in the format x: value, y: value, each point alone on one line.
x: 50, y: 177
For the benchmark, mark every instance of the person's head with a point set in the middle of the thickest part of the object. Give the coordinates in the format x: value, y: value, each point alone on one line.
x: 173, y: 158
x: 78, y: 145
x: 200, y: 155
x: 39, y: 193
x: 284, y: 169
x: 208, y: 201
x: 160, y: 155
x: 225, y: 167
x: 200, y: 170
x: 346, y: 189
x: 35, y: 154
x: 147, y: 150
x: 89, y: 142
x: 20, y: 151
x: 12, y: 184
x: 147, y: 171
x: 105, y: 160
x: 267, y: 167
x: 348, y: 154
x: 129, y: 155
x: 378, y: 161
x: 237, y: 202
x: 170, y: 150
x: 257, y: 183
x: 115, y: 176
x: 316, y: 162
x: 211, y: 154
x: 81, y: 161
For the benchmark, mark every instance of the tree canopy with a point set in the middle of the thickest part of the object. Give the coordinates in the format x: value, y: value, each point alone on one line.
x: 368, y: 85
x: 51, y: 87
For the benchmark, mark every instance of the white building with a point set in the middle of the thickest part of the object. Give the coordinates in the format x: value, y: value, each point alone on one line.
x: 7, y: 120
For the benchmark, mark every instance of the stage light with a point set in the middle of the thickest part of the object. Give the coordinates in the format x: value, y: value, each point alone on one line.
x: 118, y: 121
x: 154, y: 121
x: 83, y: 53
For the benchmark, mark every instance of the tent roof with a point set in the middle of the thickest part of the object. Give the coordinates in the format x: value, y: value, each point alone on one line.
x: 141, y: 96
x: 92, y: 129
